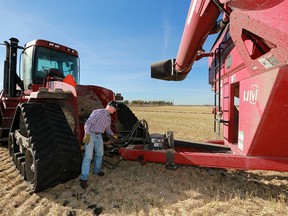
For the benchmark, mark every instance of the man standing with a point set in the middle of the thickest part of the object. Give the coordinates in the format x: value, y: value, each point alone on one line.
x: 98, y: 122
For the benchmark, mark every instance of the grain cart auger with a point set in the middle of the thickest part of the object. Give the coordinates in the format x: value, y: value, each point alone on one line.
x: 248, y: 73
x: 42, y: 114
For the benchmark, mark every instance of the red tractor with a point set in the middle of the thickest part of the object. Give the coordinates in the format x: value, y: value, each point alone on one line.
x: 42, y: 115
x: 248, y: 71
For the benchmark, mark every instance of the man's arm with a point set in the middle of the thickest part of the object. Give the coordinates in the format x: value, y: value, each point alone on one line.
x: 109, y: 131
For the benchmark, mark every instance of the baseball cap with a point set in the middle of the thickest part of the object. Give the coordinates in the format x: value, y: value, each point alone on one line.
x: 113, y: 104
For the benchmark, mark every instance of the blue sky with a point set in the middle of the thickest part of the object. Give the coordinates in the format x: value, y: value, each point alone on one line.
x: 117, y: 42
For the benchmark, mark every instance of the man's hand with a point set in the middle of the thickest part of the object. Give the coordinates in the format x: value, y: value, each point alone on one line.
x: 86, y: 139
x: 113, y: 138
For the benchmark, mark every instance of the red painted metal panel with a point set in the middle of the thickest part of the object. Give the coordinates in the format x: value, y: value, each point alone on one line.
x: 52, y: 45
x: 271, y: 26
x: 251, y: 4
x: 220, y: 160
x: 254, y: 99
x: 271, y: 135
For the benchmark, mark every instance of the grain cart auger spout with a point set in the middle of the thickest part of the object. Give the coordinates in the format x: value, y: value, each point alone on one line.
x: 201, y: 21
x: 42, y: 112
x: 248, y: 72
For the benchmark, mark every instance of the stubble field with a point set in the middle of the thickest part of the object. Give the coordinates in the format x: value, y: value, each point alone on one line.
x: 132, y: 189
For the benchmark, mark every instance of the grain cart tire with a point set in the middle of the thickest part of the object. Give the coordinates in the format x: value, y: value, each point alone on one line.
x: 127, y: 120
x: 52, y: 153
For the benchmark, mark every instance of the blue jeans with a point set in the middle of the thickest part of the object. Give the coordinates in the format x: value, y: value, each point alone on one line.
x: 95, y: 144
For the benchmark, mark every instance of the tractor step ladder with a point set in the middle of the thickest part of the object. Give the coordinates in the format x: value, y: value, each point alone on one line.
x: 7, y: 113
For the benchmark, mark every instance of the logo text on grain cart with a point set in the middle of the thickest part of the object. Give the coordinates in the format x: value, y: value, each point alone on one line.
x: 251, y: 95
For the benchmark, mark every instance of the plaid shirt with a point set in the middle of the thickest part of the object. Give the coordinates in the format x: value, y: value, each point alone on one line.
x: 99, y: 121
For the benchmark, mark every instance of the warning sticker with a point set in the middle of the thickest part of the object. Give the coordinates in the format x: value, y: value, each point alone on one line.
x: 269, y: 62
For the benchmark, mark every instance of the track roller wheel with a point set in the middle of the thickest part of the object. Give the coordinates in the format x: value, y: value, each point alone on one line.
x: 19, y: 160
x: 16, y: 156
x: 12, y: 146
x: 22, y: 170
x: 31, y: 169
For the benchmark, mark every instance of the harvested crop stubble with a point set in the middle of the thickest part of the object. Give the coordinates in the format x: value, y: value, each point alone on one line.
x: 132, y: 189
x: 187, y: 123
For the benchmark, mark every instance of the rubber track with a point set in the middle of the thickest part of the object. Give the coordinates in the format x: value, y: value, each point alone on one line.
x: 57, y: 153
x: 127, y: 120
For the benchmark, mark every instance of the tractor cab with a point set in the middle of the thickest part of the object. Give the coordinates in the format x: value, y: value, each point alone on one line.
x: 44, y: 59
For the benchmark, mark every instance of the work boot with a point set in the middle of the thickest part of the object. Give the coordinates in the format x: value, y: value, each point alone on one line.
x: 101, y: 173
x: 83, y: 183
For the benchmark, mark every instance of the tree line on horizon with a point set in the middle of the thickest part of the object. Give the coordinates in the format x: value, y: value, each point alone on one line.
x: 148, y: 103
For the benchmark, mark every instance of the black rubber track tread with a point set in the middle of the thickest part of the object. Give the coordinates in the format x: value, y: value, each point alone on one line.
x: 127, y: 120
x: 43, y: 146
x: 57, y: 153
